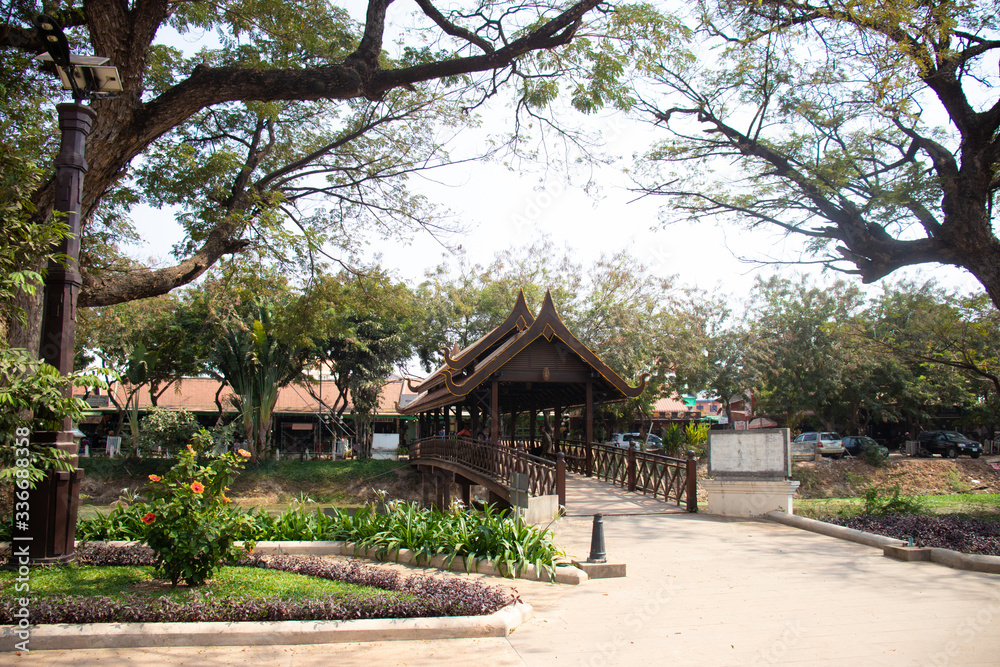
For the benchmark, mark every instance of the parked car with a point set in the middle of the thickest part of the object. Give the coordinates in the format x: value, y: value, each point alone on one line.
x: 857, y: 444
x: 624, y: 440
x: 827, y: 443
x: 947, y: 443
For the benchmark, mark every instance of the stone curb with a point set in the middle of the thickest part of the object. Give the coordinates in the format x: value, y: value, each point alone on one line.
x: 135, y: 635
x: 565, y: 574
x: 947, y: 557
x: 844, y: 533
x: 961, y: 561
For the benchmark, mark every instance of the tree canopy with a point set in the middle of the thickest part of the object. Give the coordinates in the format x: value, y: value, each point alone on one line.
x: 228, y: 132
x: 870, y: 129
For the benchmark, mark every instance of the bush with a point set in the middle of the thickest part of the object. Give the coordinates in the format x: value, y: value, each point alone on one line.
x: 169, y: 430
x: 880, y: 501
x: 124, y: 522
x: 875, y: 456
x: 499, y: 537
x: 502, y: 538
x: 673, y: 439
x: 696, y: 436
x: 190, y: 526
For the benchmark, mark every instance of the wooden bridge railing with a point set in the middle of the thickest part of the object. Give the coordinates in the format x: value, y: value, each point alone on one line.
x: 497, y: 461
x: 666, y: 476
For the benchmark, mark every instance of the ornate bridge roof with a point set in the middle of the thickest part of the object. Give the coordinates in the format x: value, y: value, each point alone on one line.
x: 538, y: 360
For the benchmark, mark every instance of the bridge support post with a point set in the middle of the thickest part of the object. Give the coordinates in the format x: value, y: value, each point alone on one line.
x: 444, y: 480
x: 631, y: 466
x: 425, y: 488
x: 561, y: 479
x: 466, y: 492
x: 692, y: 482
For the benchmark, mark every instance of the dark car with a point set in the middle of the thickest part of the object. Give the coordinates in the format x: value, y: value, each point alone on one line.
x: 947, y: 443
x: 857, y: 444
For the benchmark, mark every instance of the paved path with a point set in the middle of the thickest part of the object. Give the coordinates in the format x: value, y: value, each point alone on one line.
x: 586, y: 496
x: 699, y: 591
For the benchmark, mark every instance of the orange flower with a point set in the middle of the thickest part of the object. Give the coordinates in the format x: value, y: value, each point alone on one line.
x: 190, y: 448
x: 224, y: 499
x: 197, y: 487
x: 244, y: 453
x: 154, y: 478
x: 149, y: 518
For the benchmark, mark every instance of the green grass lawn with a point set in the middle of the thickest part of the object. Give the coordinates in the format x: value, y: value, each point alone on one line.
x: 980, y: 505
x: 241, y: 583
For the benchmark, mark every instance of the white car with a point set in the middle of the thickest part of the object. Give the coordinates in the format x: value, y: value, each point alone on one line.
x: 827, y: 443
x: 624, y: 440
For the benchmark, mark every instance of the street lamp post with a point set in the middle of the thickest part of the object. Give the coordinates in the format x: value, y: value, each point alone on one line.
x: 51, y: 531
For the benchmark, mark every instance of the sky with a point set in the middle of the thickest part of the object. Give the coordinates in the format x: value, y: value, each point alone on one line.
x: 503, y: 208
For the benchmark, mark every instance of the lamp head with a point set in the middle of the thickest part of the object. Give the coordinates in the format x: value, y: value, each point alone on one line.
x: 52, y: 34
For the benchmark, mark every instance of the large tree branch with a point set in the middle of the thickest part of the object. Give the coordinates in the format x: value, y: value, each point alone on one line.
x: 364, y: 60
x: 208, y: 86
x: 874, y: 252
x: 451, y: 29
x: 109, y: 289
x: 126, y: 126
x: 22, y: 39
x: 842, y: 214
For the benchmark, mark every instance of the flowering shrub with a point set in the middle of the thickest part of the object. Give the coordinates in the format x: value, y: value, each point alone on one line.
x: 189, y: 524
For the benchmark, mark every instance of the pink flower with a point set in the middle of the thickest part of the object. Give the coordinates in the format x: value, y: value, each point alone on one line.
x: 197, y: 487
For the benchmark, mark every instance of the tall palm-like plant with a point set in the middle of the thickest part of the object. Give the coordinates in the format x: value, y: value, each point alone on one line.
x: 256, y: 364
x: 140, y: 364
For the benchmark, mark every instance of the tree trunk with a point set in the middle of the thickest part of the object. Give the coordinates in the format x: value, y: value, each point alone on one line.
x: 29, y: 334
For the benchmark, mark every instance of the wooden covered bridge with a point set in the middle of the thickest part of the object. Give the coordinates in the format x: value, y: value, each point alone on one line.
x: 529, y: 366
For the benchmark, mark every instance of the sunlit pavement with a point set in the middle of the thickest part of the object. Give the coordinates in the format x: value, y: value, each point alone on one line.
x: 699, y: 591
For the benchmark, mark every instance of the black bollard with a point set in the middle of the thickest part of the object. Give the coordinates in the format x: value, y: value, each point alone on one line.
x: 597, y: 552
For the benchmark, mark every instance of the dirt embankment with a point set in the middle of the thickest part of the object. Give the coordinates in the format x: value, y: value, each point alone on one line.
x: 270, y: 490
x: 848, y: 478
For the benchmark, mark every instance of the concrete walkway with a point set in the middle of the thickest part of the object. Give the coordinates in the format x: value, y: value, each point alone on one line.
x: 699, y: 591
x: 586, y: 497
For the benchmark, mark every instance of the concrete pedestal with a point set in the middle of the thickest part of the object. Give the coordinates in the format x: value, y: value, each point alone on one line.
x: 749, y: 497
x: 538, y: 509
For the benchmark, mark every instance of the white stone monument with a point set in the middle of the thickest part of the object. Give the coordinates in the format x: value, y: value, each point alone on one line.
x: 752, y: 472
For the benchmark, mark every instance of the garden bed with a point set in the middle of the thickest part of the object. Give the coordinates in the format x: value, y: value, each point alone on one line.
x: 373, y: 592
x: 963, y: 534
